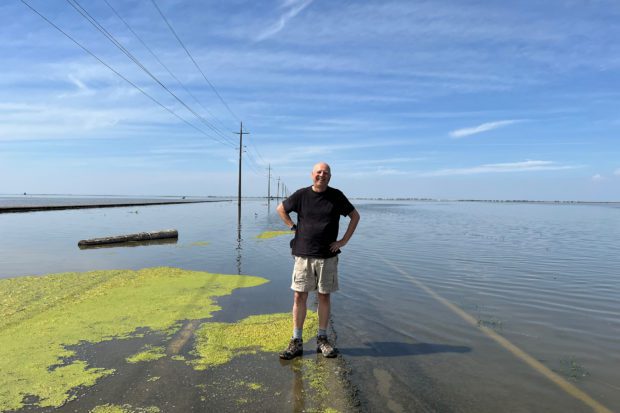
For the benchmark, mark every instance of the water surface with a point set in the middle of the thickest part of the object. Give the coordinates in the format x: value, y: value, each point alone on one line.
x: 543, y: 276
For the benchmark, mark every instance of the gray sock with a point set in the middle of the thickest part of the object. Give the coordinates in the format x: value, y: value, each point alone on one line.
x: 297, y: 333
x: 322, y: 332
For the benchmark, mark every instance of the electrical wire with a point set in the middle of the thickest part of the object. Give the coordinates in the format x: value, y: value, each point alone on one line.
x: 249, y: 160
x: 164, y: 65
x: 252, y: 160
x: 194, y: 61
x: 115, y: 71
x: 252, y: 145
x: 75, y: 4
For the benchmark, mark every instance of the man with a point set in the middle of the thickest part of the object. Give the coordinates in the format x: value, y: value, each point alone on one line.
x: 316, y: 248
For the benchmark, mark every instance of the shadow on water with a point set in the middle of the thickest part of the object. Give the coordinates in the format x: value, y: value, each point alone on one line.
x: 396, y: 349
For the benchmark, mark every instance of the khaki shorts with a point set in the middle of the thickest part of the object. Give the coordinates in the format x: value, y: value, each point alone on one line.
x: 310, y: 274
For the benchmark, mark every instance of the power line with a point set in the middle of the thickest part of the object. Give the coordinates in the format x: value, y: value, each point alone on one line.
x: 75, y: 4
x: 253, y: 161
x: 162, y: 63
x: 257, y: 152
x: 203, y: 74
x: 116, y: 72
x: 194, y: 61
x: 250, y: 160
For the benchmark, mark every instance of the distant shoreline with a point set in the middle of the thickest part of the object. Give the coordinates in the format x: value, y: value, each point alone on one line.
x: 37, y: 208
x: 497, y: 201
x: 161, y: 200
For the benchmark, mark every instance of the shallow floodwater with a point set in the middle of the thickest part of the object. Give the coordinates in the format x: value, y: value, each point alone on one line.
x: 434, y: 299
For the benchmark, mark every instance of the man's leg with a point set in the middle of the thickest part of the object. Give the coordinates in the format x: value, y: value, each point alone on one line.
x: 323, y: 344
x: 323, y: 310
x: 296, y: 345
x: 328, y: 283
x: 300, y: 309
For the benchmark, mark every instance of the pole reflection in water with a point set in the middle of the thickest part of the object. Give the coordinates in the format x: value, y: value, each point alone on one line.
x: 269, y: 210
x: 239, y: 239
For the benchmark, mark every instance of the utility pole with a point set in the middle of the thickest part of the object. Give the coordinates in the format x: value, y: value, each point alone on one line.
x: 278, y: 192
x: 269, y: 184
x: 240, y: 133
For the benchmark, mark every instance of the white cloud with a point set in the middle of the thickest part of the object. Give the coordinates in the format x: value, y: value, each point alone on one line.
x: 525, y: 166
x: 293, y: 8
x: 598, y: 178
x: 461, y: 133
x: 617, y: 172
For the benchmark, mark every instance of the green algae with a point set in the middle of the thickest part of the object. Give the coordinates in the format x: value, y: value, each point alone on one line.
x: 150, y: 353
x: 251, y: 386
x: 255, y: 386
x: 323, y: 386
x: 315, y: 374
x: 218, y: 343
x: 42, y: 317
x: 273, y: 234
x: 109, y: 408
x: 126, y: 408
x: 200, y: 244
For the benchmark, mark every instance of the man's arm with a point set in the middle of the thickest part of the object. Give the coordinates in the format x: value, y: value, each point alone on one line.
x: 355, y: 218
x: 285, y: 216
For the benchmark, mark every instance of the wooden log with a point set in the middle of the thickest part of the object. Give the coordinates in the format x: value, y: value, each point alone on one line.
x: 131, y: 244
x: 141, y: 236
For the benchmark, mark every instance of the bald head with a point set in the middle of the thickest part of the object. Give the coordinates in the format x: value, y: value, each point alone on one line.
x: 323, y: 166
x: 321, y: 174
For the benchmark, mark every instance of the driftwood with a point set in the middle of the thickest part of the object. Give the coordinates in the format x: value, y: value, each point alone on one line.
x: 131, y: 244
x: 141, y: 236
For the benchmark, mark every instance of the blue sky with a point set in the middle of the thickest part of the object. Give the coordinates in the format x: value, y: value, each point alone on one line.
x: 438, y: 99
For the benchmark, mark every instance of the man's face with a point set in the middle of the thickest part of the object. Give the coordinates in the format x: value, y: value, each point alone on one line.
x: 321, y: 175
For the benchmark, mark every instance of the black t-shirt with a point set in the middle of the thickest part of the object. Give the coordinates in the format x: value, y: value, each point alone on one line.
x: 318, y: 215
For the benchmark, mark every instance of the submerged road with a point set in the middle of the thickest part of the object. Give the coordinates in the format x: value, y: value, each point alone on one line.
x: 35, y: 208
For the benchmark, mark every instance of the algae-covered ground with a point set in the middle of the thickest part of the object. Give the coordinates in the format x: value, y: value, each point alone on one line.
x: 41, y: 316
x: 56, y: 329
x: 273, y: 234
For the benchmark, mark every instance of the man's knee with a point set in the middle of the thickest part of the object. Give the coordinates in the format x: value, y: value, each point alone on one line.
x: 300, y: 297
x: 323, y: 297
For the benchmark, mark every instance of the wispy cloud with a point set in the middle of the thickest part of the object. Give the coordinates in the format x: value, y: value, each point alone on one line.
x: 314, y: 153
x: 291, y: 9
x: 617, y: 172
x: 378, y: 171
x: 485, y: 127
x: 525, y: 166
x: 598, y: 178
x: 82, y: 89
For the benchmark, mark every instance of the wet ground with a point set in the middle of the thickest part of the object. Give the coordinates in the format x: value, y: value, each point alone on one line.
x: 250, y: 383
